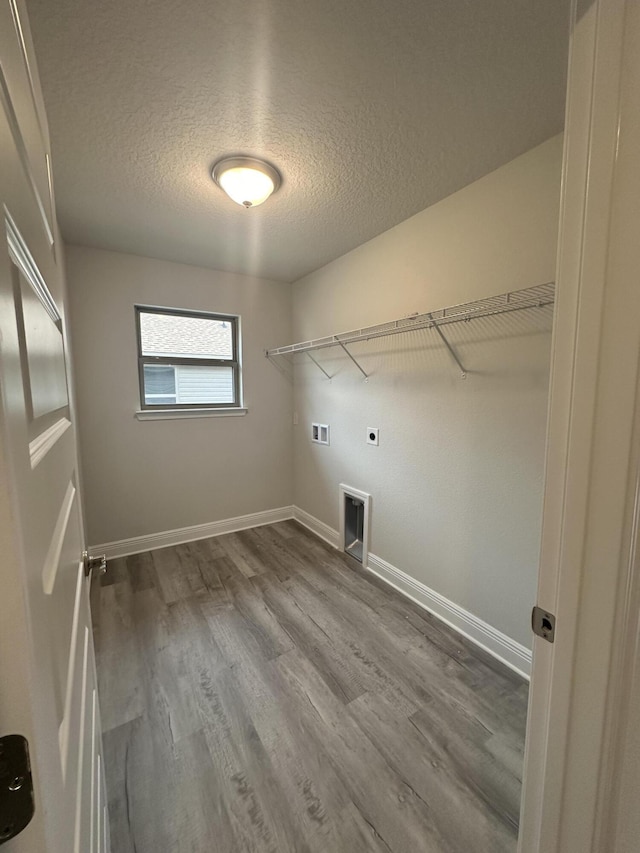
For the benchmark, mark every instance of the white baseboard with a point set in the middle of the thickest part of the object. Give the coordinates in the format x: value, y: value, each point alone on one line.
x: 512, y: 654
x: 318, y: 527
x: 138, y: 544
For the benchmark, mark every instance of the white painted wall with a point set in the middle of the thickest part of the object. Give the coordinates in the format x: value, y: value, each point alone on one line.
x: 456, y: 481
x: 145, y: 477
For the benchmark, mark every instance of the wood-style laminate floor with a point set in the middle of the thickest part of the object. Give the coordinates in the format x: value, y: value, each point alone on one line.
x: 260, y: 692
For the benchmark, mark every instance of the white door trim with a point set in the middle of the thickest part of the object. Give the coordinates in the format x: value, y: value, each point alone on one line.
x: 616, y: 815
x: 589, y: 450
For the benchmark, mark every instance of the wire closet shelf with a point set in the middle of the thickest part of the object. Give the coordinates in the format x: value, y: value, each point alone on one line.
x: 538, y: 296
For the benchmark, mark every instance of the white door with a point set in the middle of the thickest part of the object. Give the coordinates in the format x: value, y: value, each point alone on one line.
x: 47, y: 670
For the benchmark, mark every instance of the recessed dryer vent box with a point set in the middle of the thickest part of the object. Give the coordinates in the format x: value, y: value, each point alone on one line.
x: 355, y: 513
x: 320, y: 433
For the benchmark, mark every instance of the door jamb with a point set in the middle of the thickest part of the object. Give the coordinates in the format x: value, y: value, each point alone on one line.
x: 589, y: 448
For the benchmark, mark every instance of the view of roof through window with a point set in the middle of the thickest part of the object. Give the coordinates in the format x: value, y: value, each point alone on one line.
x: 185, y: 336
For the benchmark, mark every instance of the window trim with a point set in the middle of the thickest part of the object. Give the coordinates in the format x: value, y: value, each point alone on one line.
x: 234, y: 362
x: 175, y: 414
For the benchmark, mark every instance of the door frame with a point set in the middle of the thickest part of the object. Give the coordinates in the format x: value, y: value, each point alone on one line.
x: 588, y: 500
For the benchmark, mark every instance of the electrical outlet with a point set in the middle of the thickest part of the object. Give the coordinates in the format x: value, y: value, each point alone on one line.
x: 295, y: 419
x: 373, y: 435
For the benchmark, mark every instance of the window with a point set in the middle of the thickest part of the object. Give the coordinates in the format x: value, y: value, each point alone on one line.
x: 187, y: 359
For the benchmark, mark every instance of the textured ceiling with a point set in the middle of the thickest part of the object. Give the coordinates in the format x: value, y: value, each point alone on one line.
x: 371, y: 109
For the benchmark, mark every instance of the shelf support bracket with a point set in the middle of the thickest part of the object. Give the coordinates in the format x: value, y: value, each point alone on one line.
x: 452, y: 352
x: 352, y: 358
x: 319, y: 366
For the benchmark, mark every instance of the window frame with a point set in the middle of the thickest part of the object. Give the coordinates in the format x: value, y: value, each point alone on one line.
x: 234, y: 362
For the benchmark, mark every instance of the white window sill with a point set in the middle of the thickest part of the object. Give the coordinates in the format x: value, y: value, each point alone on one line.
x: 173, y: 414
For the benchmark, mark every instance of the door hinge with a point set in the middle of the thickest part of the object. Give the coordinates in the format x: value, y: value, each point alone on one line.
x: 16, y: 786
x: 97, y: 564
x: 543, y: 624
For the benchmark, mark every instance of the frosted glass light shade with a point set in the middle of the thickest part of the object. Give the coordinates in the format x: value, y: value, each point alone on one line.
x: 246, y: 186
x: 246, y: 181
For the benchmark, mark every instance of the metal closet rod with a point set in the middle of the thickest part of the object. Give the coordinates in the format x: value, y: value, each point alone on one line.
x: 538, y: 296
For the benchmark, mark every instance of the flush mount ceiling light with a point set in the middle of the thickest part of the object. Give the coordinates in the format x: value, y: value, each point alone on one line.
x: 246, y: 180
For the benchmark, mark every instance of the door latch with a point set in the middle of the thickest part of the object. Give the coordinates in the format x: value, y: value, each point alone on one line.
x: 97, y: 564
x: 543, y: 624
x: 16, y: 786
